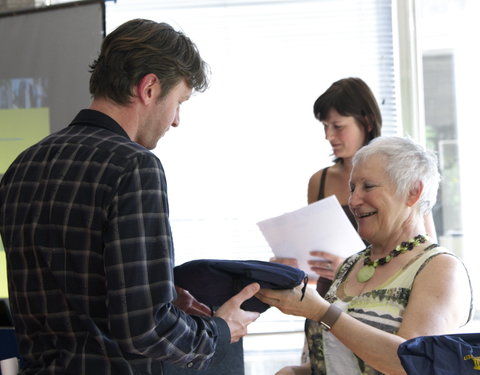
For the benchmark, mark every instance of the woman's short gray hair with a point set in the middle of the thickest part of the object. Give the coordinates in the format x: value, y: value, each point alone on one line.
x: 406, y: 163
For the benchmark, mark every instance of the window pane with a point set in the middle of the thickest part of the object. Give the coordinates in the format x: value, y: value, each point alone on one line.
x: 246, y: 148
x: 448, y: 35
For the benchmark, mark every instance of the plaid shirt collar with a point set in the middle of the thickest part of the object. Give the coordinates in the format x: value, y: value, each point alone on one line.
x: 91, y: 117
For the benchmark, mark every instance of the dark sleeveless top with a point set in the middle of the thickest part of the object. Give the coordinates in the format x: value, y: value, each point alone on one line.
x: 321, y: 195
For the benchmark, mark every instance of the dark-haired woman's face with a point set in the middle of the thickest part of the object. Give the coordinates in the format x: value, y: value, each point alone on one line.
x: 345, y: 135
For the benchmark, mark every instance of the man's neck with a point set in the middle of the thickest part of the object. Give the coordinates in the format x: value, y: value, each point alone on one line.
x: 124, y: 115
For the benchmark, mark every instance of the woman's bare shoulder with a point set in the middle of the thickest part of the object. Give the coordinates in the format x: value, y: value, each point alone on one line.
x: 314, y: 185
x: 316, y: 176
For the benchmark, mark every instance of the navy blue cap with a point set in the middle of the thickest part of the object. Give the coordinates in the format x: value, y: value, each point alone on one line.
x: 214, y: 281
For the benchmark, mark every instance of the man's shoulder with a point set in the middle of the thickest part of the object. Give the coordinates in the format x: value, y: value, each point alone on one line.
x: 101, y: 142
x: 87, y: 148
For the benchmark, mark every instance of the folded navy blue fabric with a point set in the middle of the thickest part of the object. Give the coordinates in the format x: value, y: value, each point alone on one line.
x: 214, y: 281
x: 441, y: 355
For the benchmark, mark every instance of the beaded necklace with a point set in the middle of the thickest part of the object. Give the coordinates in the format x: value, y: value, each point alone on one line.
x: 369, y: 266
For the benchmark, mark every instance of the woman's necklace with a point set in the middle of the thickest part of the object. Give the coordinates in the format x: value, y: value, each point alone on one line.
x: 369, y: 266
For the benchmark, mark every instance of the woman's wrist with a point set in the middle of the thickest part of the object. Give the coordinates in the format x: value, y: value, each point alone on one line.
x: 320, y: 312
x: 330, y: 317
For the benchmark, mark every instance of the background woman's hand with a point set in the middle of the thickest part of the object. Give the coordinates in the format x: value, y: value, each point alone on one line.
x: 293, y: 262
x: 327, y: 265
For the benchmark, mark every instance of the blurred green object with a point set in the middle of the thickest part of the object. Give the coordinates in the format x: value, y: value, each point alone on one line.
x: 3, y: 273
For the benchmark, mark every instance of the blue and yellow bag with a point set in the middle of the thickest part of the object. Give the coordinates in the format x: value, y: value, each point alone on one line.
x: 456, y: 354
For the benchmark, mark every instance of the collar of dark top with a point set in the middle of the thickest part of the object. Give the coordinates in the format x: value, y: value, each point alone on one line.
x: 90, y: 117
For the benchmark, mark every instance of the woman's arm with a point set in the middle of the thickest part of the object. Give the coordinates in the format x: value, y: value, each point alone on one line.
x: 439, y: 303
x: 374, y: 346
x: 442, y: 285
x: 314, y: 187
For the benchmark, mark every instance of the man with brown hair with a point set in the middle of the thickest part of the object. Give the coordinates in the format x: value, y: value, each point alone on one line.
x: 84, y: 220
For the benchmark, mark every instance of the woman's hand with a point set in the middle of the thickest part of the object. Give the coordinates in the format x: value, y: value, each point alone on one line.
x: 286, y: 371
x: 327, y: 265
x: 295, y: 370
x: 293, y: 262
x: 298, y: 301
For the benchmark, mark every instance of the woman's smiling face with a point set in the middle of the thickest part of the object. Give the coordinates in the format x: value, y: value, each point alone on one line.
x: 378, y: 209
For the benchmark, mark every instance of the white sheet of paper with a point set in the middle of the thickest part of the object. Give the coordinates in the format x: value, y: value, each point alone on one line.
x: 322, y: 226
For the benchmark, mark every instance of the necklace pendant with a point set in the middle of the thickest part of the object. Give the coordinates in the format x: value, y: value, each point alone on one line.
x: 365, y: 273
x: 368, y: 269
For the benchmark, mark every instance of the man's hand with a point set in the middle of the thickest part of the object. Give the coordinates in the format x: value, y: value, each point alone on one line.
x: 189, y: 304
x: 236, y: 318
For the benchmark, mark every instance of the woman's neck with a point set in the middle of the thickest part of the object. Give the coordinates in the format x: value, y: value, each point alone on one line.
x: 345, y: 165
x: 407, y: 231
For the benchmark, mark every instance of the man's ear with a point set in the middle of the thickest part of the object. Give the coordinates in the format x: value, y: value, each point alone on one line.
x: 148, y: 89
x: 415, y: 193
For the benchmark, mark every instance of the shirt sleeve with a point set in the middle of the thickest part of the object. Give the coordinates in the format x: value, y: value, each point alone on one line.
x: 139, y: 260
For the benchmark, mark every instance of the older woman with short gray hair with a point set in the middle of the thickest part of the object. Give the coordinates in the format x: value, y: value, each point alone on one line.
x: 400, y: 287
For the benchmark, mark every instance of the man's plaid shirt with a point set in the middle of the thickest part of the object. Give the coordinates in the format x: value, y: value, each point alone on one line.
x: 84, y: 221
